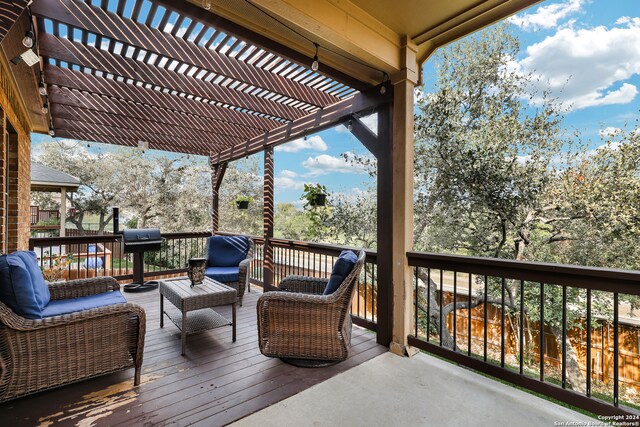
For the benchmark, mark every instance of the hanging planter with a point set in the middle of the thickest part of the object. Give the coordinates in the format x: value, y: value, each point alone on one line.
x: 315, y: 195
x: 242, y: 202
x: 318, y: 200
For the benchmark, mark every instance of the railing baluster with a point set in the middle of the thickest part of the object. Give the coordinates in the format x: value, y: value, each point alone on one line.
x: 428, y: 304
x: 588, y: 362
x: 486, y: 314
x: 521, y: 332
x: 541, y: 332
x: 469, y: 314
x: 564, y: 337
x: 455, y: 318
x: 415, y: 310
x: 441, y: 298
x: 616, y: 352
x: 502, y: 314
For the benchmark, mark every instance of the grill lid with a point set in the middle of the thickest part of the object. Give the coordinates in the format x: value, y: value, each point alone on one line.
x: 141, y: 239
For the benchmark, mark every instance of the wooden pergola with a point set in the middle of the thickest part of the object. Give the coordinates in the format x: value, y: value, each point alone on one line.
x: 237, y: 79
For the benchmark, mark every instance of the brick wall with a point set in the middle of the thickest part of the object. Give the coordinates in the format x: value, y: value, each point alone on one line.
x: 3, y: 163
x: 15, y: 184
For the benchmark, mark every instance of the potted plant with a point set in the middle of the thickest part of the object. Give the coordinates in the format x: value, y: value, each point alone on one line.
x: 315, y: 195
x: 242, y: 202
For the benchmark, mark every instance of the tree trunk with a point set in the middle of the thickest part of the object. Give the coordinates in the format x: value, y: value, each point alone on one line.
x: 574, y: 374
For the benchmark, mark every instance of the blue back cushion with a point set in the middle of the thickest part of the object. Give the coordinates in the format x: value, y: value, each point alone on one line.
x: 40, y: 287
x: 223, y: 274
x: 71, y: 305
x: 227, y: 251
x: 341, y: 269
x: 22, y: 287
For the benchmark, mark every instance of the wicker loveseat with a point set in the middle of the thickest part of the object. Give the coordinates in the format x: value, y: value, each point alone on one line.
x: 228, y: 261
x: 301, y: 325
x: 42, y: 353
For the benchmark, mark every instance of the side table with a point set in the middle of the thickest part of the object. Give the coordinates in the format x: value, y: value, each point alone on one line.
x: 198, y: 302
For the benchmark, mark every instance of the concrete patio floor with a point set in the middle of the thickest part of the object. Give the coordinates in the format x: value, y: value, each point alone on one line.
x: 419, y: 391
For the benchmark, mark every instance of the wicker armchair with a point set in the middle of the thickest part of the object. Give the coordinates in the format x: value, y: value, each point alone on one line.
x: 40, y: 354
x: 243, y: 279
x: 304, y: 327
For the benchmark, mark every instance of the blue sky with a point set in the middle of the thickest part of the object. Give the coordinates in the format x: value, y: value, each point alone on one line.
x: 587, y: 50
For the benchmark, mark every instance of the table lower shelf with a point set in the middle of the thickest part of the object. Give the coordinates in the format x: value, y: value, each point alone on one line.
x: 197, y: 320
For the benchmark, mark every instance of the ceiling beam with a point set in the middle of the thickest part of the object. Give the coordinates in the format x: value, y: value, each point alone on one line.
x: 361, y: 103
x: 106, y: 24
x: 209, y: 18
x: 240, y: 122
x: 74, y: 98
x: 103, y: 60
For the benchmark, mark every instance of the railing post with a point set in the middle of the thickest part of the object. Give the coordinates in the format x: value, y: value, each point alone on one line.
x: 268, y: 210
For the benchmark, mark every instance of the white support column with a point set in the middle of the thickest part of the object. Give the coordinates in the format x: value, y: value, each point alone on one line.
x: 402, y: 199
x: 63, y: 211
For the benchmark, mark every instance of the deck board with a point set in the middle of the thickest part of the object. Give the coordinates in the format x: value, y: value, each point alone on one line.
x: 215, y: 383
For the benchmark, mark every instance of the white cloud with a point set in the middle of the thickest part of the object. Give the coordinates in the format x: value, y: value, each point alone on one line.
x: 288, y: 174
x: 314, y: 142
x: 609, y: 131
x: 284, y: 182
x: 325, y: 164
x: 546, y: 17
x: 587, y: 67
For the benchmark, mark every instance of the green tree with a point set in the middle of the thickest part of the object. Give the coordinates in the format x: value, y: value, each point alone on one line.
x: 487, y: 164
x: 97, y: 192
x: 242, y: 178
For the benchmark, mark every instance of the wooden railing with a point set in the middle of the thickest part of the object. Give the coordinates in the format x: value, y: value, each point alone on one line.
x: 563, y: 331
x: 37, y: 215
x: 89, y: 256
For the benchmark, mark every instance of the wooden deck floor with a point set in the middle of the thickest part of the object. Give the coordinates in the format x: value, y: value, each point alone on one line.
x: 216, y: 383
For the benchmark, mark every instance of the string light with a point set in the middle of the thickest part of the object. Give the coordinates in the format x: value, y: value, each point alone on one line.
x: 314, y: 64
x: 45, y: 107
x: 207, y: 4
x: 350, y: 126
x: 383, y: 88
x: 42, y: 88
x: 27, y: 41
x: 51, y: 131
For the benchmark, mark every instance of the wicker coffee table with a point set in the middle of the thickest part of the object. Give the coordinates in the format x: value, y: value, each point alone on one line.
x: 198, y: 302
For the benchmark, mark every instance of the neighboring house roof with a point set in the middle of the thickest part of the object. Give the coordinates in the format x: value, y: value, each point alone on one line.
x: 44, y: 178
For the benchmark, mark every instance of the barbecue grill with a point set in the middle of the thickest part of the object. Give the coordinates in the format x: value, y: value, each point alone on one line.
x: 138, y: 241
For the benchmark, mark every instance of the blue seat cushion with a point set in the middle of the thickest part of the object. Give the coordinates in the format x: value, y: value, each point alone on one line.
x: 223, y: 274
x: 72, y: 305
x: 227, y: 251
x: 341, y: 269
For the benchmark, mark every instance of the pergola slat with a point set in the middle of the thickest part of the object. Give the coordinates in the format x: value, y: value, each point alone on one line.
x: 132, y: 134
x: 66, y: 96
x: 194, y: 12
x: 103, y: 86
x: 115, y: 120
x: 105, y: 139
x: 77, y: 53
x: 82, y: 15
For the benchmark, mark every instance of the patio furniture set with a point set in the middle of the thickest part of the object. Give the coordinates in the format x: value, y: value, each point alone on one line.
x: 53, y: 334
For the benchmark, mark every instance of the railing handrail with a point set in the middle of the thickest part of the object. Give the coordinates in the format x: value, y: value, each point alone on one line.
x: 321, y: 248
x: 598, y: 278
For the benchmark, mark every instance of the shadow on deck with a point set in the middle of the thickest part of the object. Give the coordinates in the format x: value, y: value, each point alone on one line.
x: 217, y: 381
